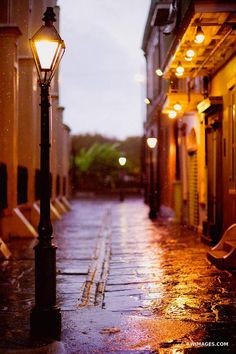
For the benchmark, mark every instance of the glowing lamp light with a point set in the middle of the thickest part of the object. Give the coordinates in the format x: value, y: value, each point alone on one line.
x: 151, y: 142
x: 172, y: 114
x: 46, y: 53
x: 147, y: 101
x: 180, y: 69
x: 159, y: 72
x: 190, y: 53
x: 177, y: 106
x: 200, y: 36
x: 122, y: 160
x: 47, y: 48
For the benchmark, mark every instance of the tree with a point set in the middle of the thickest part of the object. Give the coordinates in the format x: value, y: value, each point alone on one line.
x: 95, y: 161
x: 97, y: 166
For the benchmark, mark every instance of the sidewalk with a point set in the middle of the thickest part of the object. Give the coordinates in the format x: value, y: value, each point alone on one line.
x: 125, y: 284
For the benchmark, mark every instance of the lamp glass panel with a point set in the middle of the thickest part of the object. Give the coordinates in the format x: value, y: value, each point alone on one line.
x: 46, y: 51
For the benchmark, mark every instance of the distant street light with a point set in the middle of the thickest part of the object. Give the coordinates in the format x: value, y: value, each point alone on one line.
x: 122, y: 162
x: 45, y: 319
x: 151, y: 143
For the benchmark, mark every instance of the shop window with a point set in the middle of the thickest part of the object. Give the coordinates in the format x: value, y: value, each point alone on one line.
x: 22, y: 185
x: 37, y: 185
x: 64, y: 185
x: 50, y: 185
x: 58, y: 185
x: 232, y: 139
x: 3, y: 186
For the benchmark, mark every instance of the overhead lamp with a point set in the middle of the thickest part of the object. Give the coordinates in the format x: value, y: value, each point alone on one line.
x: 177, y: 106
x: 172, y: 114
x: 159, y: 72
x: 199, y: 36
x: 190, y: 53
x: 147, y: 101
x: 179, y: 69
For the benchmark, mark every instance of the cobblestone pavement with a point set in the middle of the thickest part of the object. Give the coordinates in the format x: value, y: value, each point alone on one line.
x: 125, y: 284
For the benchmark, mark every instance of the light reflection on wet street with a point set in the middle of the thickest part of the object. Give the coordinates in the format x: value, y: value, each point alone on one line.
x: 160, y: 271
x: 161, y: 293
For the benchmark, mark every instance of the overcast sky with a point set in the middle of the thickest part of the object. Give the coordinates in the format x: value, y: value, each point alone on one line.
x: 103, y: 56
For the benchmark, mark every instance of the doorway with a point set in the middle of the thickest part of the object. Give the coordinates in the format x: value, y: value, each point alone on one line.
x: 213, y: 138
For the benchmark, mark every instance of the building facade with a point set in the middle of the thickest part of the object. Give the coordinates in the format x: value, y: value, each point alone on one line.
x: 20, y: 122
x: 190, y: 50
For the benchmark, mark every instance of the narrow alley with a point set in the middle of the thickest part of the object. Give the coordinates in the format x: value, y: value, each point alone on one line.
x: 124, y: 284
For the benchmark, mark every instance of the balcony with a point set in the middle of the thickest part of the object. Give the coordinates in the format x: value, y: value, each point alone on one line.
x: 218, y: 23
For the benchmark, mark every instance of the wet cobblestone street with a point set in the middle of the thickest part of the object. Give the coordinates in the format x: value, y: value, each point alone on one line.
x: 124, y: 284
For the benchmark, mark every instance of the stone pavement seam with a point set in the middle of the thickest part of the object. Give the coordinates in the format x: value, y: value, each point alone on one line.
x: 93, y: 288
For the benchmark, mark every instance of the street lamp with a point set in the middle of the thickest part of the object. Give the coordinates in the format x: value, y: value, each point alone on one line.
x: 45, y: 318
x: 122, y: 162
x: 151, y: 143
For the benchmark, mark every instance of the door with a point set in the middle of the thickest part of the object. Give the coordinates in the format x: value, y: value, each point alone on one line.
x: 214, y: 176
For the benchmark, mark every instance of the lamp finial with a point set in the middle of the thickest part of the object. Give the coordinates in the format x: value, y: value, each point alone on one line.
x: 49, y: 16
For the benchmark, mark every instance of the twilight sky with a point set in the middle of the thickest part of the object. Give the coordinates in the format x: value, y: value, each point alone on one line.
x: 98, y: 74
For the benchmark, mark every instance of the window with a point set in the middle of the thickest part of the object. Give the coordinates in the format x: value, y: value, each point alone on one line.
x: 232, y: 139
x: 37, y: 185
x: 3, y: 186
x: 22, y: 185
x: 64, y: 185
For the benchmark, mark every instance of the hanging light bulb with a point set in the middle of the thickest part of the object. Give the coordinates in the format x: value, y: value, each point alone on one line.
x: 200, y: 36
x: 179, y: 69
x: 177, y: 106
x: 172, y: 114
x: 190, y: 53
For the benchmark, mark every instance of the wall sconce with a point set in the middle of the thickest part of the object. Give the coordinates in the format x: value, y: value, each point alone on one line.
x: 159, y: 72
x: 147, y: 101
x: 172, y: 114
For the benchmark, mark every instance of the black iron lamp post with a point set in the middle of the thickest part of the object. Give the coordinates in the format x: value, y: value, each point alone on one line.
x: 151, y: 142
x: 122, y: 162
x: 45, y: 319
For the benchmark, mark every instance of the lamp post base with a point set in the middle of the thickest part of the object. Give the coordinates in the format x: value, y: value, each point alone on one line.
x: 45, y: 323
x: 121, y: 195
x: 152, y: 204
x: 152, y: 214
